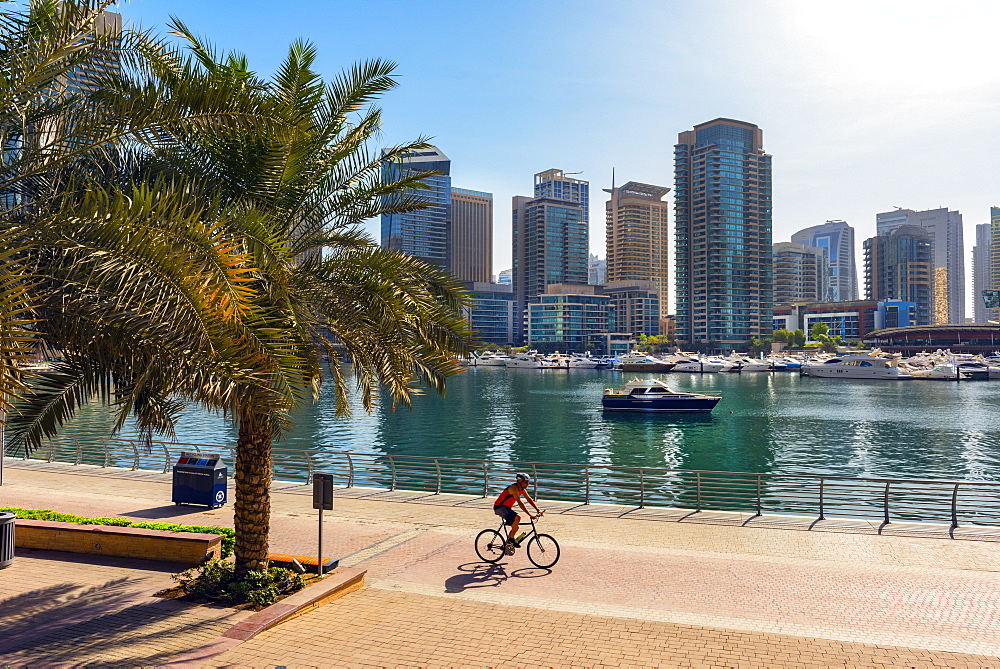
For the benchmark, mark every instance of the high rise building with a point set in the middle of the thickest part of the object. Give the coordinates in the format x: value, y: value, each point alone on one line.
x: 424, y: 233
x: 837, y: 237
x: 556, y: 185
x: 471, y: 240
x: 898, y: 266
x: 597, y: 270
x: 550, y: 244
x: 491, y: 311
x: 947, y: 257
x: 982, y: 272
x: 800, y: 273
x: 992, y: 299
x: 722, y: 194
x: 637, y: 234
x: 572, y: 317
x: 506, y: 277
x: 637, y: 306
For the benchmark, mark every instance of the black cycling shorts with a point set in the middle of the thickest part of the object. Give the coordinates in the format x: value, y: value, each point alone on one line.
x: 506, y: 513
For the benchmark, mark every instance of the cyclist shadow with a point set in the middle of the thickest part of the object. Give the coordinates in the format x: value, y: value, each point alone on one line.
x: 479, y: 575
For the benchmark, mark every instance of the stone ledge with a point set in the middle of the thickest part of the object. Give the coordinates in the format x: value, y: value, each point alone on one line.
x: 189, y: 548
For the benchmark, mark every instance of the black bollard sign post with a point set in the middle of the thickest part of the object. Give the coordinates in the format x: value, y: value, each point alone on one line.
x: 322, y: 499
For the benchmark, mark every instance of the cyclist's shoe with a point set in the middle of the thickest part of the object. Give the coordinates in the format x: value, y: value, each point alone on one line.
x: 508, y: 548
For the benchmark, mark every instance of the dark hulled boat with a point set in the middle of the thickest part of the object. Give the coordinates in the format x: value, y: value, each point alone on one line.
x: 654, y: 396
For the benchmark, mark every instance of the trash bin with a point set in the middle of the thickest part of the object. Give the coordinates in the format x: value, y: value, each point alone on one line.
x: 200, y: 479
x: 6, y: 539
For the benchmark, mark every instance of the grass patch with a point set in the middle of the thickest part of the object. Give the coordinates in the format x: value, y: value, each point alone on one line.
x: 228, y: 536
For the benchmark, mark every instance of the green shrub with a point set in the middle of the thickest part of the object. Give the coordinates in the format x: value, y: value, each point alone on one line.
x: 228, y: 536
x: 217, y: 580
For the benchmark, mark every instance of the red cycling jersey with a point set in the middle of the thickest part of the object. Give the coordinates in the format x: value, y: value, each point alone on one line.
x: 506, y: 498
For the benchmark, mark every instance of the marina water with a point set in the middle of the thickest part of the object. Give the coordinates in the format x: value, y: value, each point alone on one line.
x: 766, y: 422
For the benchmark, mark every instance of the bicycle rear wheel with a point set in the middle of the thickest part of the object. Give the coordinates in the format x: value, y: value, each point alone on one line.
x: 489, y: 546
x: 543, y: 551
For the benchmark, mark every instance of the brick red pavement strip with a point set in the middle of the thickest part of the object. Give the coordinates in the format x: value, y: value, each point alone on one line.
x: 380, y: 628
x: 630, y: 578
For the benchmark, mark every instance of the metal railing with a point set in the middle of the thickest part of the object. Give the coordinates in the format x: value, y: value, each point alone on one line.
x: 882, y: 499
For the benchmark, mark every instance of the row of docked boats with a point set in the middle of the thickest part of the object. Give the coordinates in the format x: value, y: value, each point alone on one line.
x: 634, y: 362
x: 937, y: 366
x: 940, y: 365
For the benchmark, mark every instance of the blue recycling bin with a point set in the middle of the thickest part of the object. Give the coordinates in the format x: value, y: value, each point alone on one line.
x: 200, y: 479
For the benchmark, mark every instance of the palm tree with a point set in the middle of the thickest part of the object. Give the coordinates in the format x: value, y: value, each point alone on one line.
x: 202, y: 245
x: 133, y: 279
x: 310, y: 179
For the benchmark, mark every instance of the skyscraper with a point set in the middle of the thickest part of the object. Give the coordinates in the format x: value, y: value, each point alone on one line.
x: 898, y: 266
x: 837, y: 237
x: 982, y: 272
x: 471, y: 240
x: 800, y: 273
x: 424, y: 233
x: 947, y: 258
x: 992, y: 299
x: 722, y: 194
x: 550, y: 245
x: 555, y: 184
x: 637, y: 234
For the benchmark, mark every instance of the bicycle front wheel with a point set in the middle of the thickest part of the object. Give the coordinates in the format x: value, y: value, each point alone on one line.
x: 489, y: 546
x: 543, y: 551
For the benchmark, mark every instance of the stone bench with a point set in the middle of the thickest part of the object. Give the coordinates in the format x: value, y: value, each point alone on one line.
x: 190, y: 548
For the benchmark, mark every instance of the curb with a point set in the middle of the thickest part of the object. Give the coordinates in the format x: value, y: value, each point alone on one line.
x: 338, y: 583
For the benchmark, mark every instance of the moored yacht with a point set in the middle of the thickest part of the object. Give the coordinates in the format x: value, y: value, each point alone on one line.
x: 489, y: 359
x: 654, y: 396
x: 641, y: 362
x: 697, y: 365
x: 525, y: 360
x: 855, y: 367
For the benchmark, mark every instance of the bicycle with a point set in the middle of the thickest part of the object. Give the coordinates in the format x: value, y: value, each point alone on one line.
x: 543, y: 549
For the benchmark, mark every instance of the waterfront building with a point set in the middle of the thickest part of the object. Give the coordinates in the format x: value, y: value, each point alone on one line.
x: 637, y: 234
x: 898, y: 267
x: 849, y: 319
x: 471, y: 240
x: 424, y: 233
x: 947, y: 256
x: 506, y: 277
x: 570, y: 317
x: 800, y: 273
x: 637, y: 306
x: 597, y: 270
x: 991, y: 296
x: 982, y: 272
x: 491, y: 312
x: 977, y: 339
x: 837, y: 237
x: 550, y: 244
x: 722, y: 194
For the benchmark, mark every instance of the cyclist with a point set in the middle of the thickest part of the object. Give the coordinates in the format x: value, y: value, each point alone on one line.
x: 504, y: 507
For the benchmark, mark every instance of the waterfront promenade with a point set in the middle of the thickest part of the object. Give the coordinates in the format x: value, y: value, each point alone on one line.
x: 634, y: 587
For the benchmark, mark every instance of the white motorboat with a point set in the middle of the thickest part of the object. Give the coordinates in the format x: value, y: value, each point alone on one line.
x: 856, y: 367
x: 697, y: 365
x: 642, y: 362
x: 525, y: 361
x: 738, y: 363
x: 944, y: 371
x: 489, y: 359
x: 577, y: 361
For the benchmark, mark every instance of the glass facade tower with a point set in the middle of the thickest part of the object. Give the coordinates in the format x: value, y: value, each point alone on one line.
x: 837, y: 237
x: 425, y: 233
x: 722, y: 203
x: 550, y: 244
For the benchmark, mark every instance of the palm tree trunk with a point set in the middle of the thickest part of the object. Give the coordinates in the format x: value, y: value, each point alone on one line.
x: 252, y: 508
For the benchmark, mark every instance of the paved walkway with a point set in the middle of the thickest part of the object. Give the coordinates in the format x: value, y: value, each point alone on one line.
x: 633, y: 587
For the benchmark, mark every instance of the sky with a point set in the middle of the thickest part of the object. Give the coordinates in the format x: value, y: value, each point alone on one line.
x: 864, y: 105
